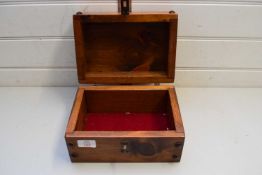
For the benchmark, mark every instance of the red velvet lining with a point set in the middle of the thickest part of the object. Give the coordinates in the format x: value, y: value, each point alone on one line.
x: 127, y: 122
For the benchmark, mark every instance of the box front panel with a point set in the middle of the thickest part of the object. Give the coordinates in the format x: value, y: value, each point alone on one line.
x: 125, y: 149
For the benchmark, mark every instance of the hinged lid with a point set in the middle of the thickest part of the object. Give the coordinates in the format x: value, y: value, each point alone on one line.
x: 119, y: 49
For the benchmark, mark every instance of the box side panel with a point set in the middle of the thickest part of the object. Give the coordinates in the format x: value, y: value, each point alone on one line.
x: 176, y: 111
x: 125, y: 149
x: 78, y: 109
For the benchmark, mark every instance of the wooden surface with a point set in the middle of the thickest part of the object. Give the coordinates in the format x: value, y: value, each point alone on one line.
x: 127, y: 101
x: 222, y: 126
x: 132, y: 17
x: 37, y: 46
x: 139, y: 150
x: 137, y: 48
x: 140, y: 99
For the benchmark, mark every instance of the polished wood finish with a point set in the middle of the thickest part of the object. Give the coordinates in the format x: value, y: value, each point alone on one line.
x: 109, y: 18
x: 125, y: 49
x: 153, y: 146
x: 114, y: 49
x: 172, y: 48
x: 139, y: 150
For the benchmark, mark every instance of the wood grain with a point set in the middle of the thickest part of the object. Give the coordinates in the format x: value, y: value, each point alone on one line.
x: 172, y: 48
x: 125, y: 49
x: 135, y: 17
x: 125, y: 134
x: 79, y: 47
x: 134, y: 101
x: 176, y: 111
x: 76, y: 110
x: 139, y: 150
x: 141, y: 146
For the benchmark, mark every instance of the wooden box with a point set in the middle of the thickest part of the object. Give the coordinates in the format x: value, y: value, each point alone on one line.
x: 125, y: 120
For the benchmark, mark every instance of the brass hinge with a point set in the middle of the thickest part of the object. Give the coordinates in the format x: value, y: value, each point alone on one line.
x: 124, y: 7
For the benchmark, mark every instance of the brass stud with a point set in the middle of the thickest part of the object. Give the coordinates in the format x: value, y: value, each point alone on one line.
x: 73, y: 155
x: 79, y: 13
x: 178, y: 144
x: 70, y: 144
x: 175, y: 156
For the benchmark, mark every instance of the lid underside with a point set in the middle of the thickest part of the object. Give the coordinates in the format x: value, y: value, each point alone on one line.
x: 116, y: 49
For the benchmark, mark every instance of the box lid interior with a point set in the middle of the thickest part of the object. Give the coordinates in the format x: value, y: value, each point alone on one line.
x: 117, y: 49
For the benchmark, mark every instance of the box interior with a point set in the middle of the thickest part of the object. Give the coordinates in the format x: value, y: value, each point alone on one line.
x: 125, y: 110
x: 137, y: 49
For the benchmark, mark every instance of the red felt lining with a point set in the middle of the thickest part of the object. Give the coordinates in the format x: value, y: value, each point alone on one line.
x: 127, y: 122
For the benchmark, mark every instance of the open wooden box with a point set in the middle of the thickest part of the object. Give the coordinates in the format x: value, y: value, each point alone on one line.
x: 125, y: 122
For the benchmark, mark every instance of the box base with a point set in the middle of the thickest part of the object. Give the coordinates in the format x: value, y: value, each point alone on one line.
x: 127, y: 122
x: 101, y: 130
